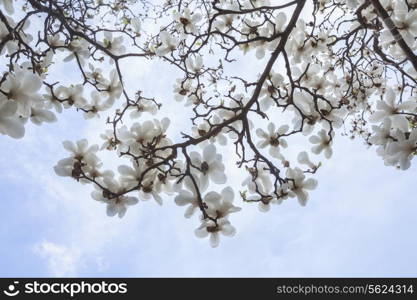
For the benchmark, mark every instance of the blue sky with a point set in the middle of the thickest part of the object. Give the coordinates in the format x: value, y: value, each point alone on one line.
x: 360, y: 221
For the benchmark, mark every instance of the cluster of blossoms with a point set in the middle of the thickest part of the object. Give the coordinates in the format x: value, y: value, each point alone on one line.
x: 350, y: 65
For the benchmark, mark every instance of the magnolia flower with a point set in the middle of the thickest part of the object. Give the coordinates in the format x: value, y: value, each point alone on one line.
x: 324, y: 143
x: 148, y: 190
x: 270, y: 90
x: 96, y: 105
x: 221, y: 205
x: 9, y: 121
x: 403, y: 150
x: 272, y: 139
x: 113, y: 44
x: 210, y: 165
x: 8, y: 6
x: 304, y: 160
x: 79, y: 152
x: 406, y: 22
x: 188, y: 20
x: 113, y: 87
x: 79, y: 50
x: 110, y: 142
x: 188, y: 196
x: 95, y: 74
x: 116, y: 205
x: 39, y: 115
x: 182, y: 89
x: 382, y: 135
x: 213, y: 230
x: 204, y: 128
x: 10, y: 45
x: 298, y: 185
x: 260, y: 186
x: 169, y: 44
x: 141, y: 107
x: 131, y: 176
x: 136, y: 24
x: 22, y: 87
x: 194, y: 65
x: 137, y: 137
x: 389, y: 108
x: 72, y: 95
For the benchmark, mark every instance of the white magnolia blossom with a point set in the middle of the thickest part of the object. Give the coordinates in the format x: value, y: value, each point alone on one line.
x: 401, y: 151
x: 194, y: 64
x: 298, y: 185
x: 10, y: 124
x: 221, y: 205
x: 390, y: 109
x: 113, y: 87
x: 273, y: 139
x: 72, y: 95
x: 116, y: 205
x: 97, y: 104
x: 8, y: 6
x: 210, y: 166
x: 113, y: 44
x: 142, y: 107
x: 305, y: 160
x: 80, y: 152
x: 187, y: 21
x: 169, y: 44
x: 39, y: 115
x: 323, y: 143
x: 212, y: 230
x: 22, y: 87
x: 188, y: 197
x: 79, y: 51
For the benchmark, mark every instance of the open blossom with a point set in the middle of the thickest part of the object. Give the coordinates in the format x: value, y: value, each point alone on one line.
x: 204, y: 128
x: 403, y: 150
x: 40, y: 115
x: 212, y: 230
x: 136, y: 24
x: 188, y: 197
x: 382, y: 134
x: 273, y: 139
x: 79, y: 50
x: 323, y: 143
x: 79, y: 152
x: 390, y: 109
x: 210, y: 166
x: 221, y: 205
x: 169, y: 44
x: 22, y: 87
x: 141, y: 107
x: 8, y: 6
x: 406, y: 22
x: 96, y: 104
x: 298, y: 185
x: 133, y: 176
x: 187, y: 20
x: 113, y: 87
x: 116, y: 205
x: 9, y: 121
x: 72, y: 95
x: 113, y: 44
x: 194, y: 64
x: 305, y: 160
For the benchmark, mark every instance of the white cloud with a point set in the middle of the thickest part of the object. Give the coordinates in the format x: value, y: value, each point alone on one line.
x: 61, y: 260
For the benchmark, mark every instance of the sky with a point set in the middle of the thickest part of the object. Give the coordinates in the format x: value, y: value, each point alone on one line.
x: 360, y: 221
